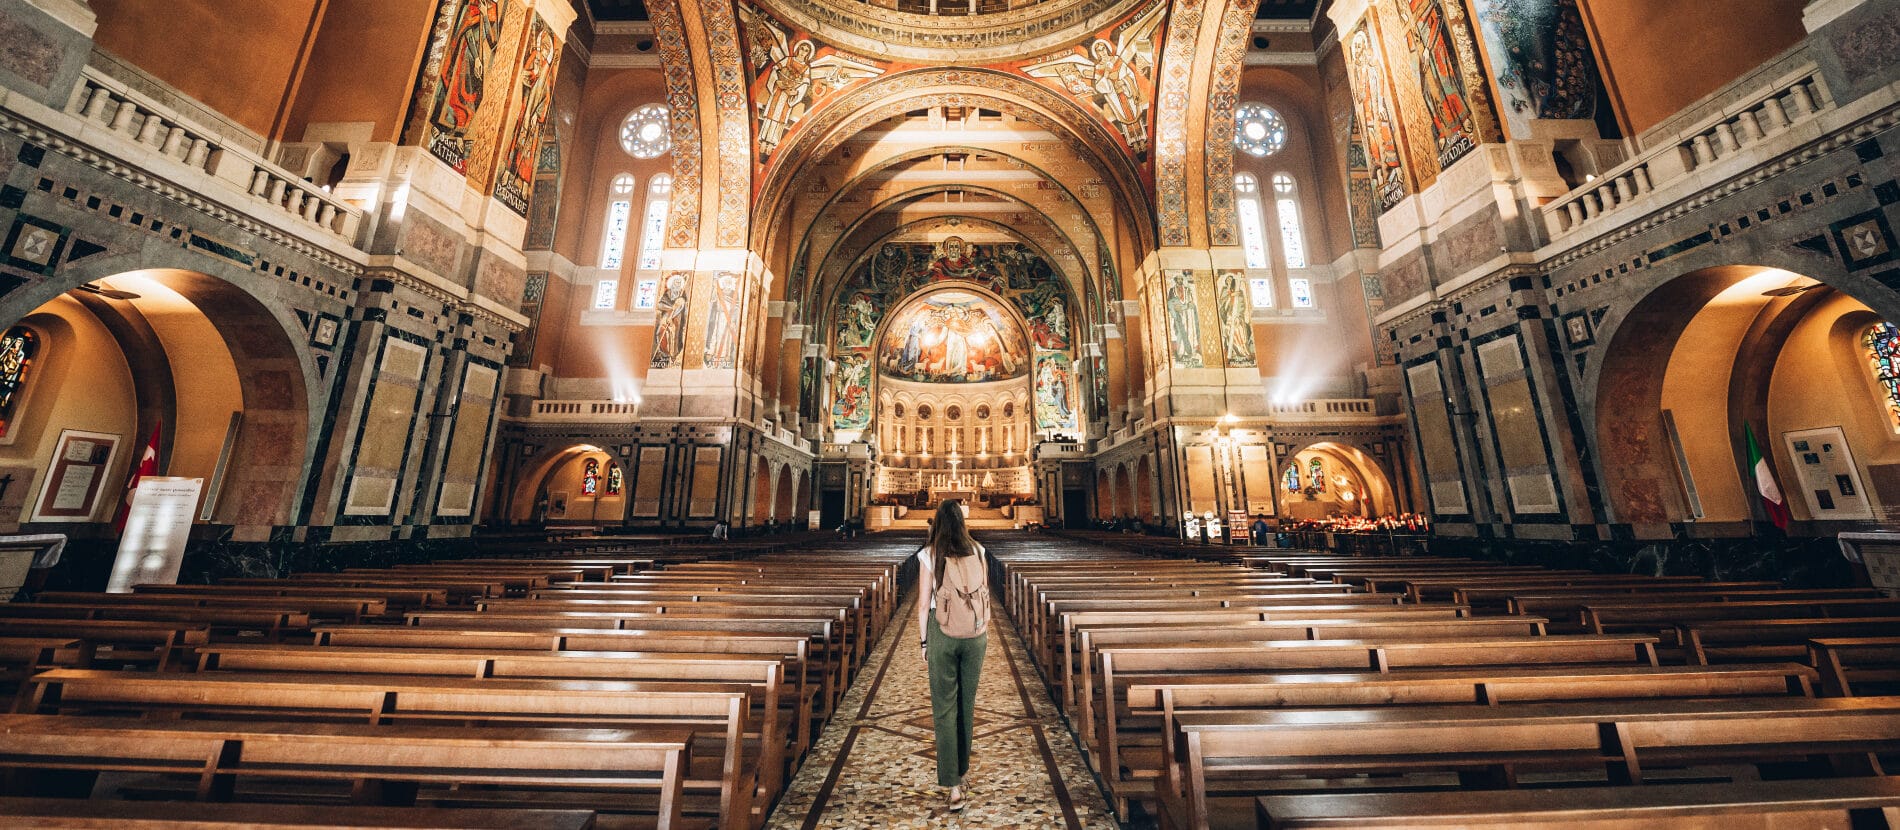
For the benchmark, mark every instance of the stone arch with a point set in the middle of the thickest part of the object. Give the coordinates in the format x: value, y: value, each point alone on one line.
x: 1369, y: 477
x: 532, y: 499
x: 783, y: 495
x: 764, y: 485
x: 1144, y: 486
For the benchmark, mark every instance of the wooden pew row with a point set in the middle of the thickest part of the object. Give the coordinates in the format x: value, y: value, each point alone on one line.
x: 1076, y: 653
x: 397, y: 599
x: 1856, y: 665
x: 1618, y: 743
x: 87, y: 814
x: 1126, y: 666
x: 1450, y: 588
x: 1048, y: 633
x: 335, y: 608
x: 159, y: 644
x: 1566, y: 607
x: 779, y: 711
x: 1745, y: 805
x: 272, y: 623
x: 1757, y: 641
x: 712, y: 711
x: 378, y: 764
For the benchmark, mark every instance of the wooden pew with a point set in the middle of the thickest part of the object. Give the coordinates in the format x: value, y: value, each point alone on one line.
x: 1179, y: 662
x: 341, y: 608
x: 1850, y: 665
x: 398, y: 599
x: 99, y: 814
x: 1742, y: 641
x: 1235, y: 753
x: 118, y: 642
x: 382, y: 764
x: 1742, y: 805
x: 708, y: 708
x: 765, y: 674
x: 1567, y: 606
x: 272, y: 622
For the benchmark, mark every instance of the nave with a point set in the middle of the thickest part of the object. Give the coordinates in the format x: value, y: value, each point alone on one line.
x: 579, y: 681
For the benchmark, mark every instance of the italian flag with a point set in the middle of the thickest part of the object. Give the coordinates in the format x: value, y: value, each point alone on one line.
x: 1771, y: 501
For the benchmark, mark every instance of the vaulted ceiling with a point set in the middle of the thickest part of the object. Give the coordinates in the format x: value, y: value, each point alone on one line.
x: 618, y: 9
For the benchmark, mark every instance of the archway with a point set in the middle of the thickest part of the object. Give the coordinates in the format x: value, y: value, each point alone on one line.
x: 1104, y: 495
x: 1144, y: 492
x: 802, y: 502
x: 1329, y: 480
x: 764, y: 486
x: 579, y: 484
x: 782, y: 497
x: 1714, y: 355
x: 186, y: 355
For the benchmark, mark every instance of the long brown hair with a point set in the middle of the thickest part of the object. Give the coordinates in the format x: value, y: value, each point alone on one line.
x: 949, y: 536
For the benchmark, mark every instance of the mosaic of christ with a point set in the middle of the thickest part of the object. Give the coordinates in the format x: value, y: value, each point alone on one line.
x: 953, y: 337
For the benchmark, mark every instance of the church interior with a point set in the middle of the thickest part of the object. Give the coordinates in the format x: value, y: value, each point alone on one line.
x: 528, y: 413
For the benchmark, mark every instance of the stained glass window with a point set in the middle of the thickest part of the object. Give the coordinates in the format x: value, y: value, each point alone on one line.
x: 606, y: 292
x: 1292, y: 239
x: 613, y: 247
x: 1302, y: 291
x: 615, y: 479
x: 1258, y: 130
x: 1253, y: 236
x: 647, y: 132
x: 17, y: 349
x: 1883, y: 354
x: 653, y: 227
x: 1291, y: 481
x: 590, y: 478
x: 1261, y: 290
x: 1316, y: 473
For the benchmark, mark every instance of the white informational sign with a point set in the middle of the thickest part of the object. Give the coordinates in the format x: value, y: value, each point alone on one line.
x: 1825, y: 474
x: 156, y: 530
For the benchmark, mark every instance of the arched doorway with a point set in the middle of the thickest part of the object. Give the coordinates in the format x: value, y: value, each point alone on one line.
x: 1144, y: 485
x: 1717, y: 354
x: 216, y: 374
x: 782, y: 497
x: 580, y: 484
x: 1329, y: 480
x: 763, y: 488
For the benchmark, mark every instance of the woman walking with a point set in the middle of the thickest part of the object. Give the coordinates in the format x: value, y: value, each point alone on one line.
x: 953, y: 612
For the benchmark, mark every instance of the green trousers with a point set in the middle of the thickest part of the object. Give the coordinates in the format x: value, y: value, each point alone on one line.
x: 955, y: 665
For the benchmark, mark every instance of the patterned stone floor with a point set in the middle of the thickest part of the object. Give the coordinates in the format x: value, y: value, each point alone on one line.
x: 875, y: 764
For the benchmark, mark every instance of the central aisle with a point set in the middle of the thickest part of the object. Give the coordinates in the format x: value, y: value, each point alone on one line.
x: 875, y: 764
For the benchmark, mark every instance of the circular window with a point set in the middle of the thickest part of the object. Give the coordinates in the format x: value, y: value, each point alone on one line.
x: 923, y: 412
x: 1259, y: 130
x: 647, y: 132
x: 982, y: 412
x: 953, y: 413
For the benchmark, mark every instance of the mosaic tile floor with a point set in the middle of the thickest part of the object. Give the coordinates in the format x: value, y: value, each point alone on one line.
x: 875, y: 764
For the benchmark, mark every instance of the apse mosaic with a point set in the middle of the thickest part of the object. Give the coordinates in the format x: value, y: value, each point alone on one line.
x: 954, y: 336
x: 1543, y: 61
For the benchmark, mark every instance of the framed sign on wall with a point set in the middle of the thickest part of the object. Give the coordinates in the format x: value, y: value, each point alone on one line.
x: 1826, y: 475
x: 70, y: 490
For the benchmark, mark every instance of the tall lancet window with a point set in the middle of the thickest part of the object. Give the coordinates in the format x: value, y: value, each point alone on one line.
x: 1287, y: 205
x: 1253, y: 237
x: 613, y: 247
x: 653, y: 226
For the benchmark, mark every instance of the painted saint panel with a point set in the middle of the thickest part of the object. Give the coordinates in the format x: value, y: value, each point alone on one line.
x: 1114, y: 72
x: 1184, y: 321
x: 1540, y: 53
x: 722, y: 322
x: 514, y: 179
x: 791, y: 75
x: 953, y: 337
x: 1380, y: 128
x: 851, y: 405
x: 1440, y: 78
x: 468, y: 35
x: 1055, y: 391
x: 1236, y: 319
x: 669, y: 323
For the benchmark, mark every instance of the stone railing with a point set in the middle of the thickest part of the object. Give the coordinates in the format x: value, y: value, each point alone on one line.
x: 585, y: 411
x: 1771, y: 104
x: 1323, y: 408
x: 130, y: 115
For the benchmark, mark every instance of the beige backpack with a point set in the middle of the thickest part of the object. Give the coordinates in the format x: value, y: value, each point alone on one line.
x: 963, y: 597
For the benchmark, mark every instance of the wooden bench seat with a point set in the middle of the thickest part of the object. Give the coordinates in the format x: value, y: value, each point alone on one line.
x: 341, y: 608
x: 270, y: 622
x: 1566, y: 607
x: 1662, y: 618
x: 1743, y: 805
x: 381, y: 764
x: 99, y: 814
x: 1856, y: 665
x: 1742, y: 641
x: 397, y: 599
x: 1240, y: 753
x: 118, y: 642
x: 717, y: 710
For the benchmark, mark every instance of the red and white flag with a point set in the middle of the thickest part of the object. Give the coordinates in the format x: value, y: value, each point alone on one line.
x: 148, y: 466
